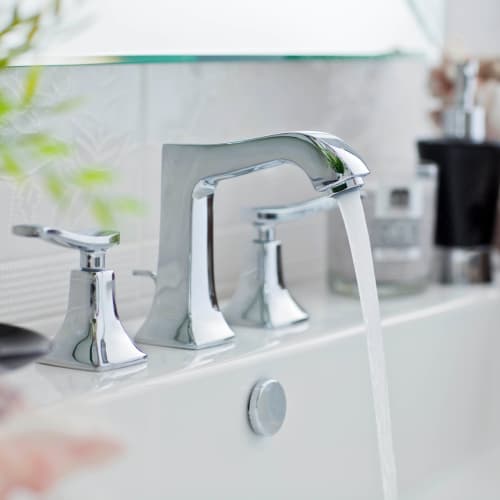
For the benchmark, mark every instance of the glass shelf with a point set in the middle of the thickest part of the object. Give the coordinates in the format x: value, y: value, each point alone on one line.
x: 176, y: 59
x: 224, y: 31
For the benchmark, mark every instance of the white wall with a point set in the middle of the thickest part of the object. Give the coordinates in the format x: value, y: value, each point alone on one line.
x: 377, y: 106
x: 472, y: 28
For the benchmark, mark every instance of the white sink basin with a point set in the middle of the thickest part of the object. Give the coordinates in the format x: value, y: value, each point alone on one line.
x: 183, y: 418
x: 444, y: 370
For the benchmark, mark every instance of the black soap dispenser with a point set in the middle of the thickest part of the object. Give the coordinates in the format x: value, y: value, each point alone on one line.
x: 468, y: 183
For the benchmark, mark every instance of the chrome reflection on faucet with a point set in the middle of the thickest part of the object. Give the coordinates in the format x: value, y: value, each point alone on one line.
x: 185, y: 312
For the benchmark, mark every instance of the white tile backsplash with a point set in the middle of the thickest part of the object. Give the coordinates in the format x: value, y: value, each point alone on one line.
x: 129, y: 111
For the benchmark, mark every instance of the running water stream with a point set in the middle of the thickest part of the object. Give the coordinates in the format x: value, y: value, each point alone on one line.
x: 353, y: 215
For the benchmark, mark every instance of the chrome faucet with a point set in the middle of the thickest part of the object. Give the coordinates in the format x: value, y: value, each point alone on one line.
x: 91, y: 336
x: 185, y: 312
x: 261, y: 299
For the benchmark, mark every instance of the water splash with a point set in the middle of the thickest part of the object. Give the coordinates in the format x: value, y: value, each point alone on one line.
x: 353, y: 215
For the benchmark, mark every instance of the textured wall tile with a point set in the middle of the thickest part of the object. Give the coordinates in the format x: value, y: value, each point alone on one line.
x: 104, y: 130
x: 378, y: 107
x: 130, y: 111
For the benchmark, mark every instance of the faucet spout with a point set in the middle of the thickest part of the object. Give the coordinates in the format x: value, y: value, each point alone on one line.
x: 185, y: 311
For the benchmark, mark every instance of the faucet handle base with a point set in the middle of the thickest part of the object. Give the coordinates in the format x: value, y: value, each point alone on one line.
x: 61, y: 360
x: 92, y: 337
x: 210, y: 327
x: 261, y: 299
x: 174, y: 344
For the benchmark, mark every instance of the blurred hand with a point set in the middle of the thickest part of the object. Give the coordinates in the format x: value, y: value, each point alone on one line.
x: 36, y: 461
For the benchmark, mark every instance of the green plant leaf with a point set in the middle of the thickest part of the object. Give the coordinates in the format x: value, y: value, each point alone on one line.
x: 45, y: 145
x: 31, y: 84
x: 57, y: 7
x: 55, y: 187
x: 66, y: 105
x: 102, y: 212
x: 9, y: 164
x: 128, y: 205
x: 35, y: 26
x: 93, y: 176
x: 6, y: 106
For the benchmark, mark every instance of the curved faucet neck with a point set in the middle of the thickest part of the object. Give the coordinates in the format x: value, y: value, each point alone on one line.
x: 185, y: 312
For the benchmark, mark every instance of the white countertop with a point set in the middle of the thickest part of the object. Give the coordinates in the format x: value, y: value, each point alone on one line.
x: 331, y: 315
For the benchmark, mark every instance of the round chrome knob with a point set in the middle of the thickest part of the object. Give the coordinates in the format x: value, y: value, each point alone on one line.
x: 267, y: 407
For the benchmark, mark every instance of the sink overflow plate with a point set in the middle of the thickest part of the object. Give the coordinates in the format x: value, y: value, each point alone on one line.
x: 267, y: 407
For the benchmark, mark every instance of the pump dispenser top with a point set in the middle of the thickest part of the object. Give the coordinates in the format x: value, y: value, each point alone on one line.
x: 464, y: 119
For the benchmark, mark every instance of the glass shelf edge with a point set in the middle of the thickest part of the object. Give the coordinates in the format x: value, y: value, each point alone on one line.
x: 187, y: 58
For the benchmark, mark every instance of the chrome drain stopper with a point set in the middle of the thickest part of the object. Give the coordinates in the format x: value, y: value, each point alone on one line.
x: 267, y: 407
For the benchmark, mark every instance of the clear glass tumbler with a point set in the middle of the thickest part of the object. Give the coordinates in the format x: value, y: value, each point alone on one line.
x: 400, y: 213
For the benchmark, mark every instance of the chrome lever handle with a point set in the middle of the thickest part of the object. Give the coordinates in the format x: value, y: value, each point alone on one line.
x: 91, y: 241
x: 271, y: 215
x: 261, y: 299
x: 92, y: 244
